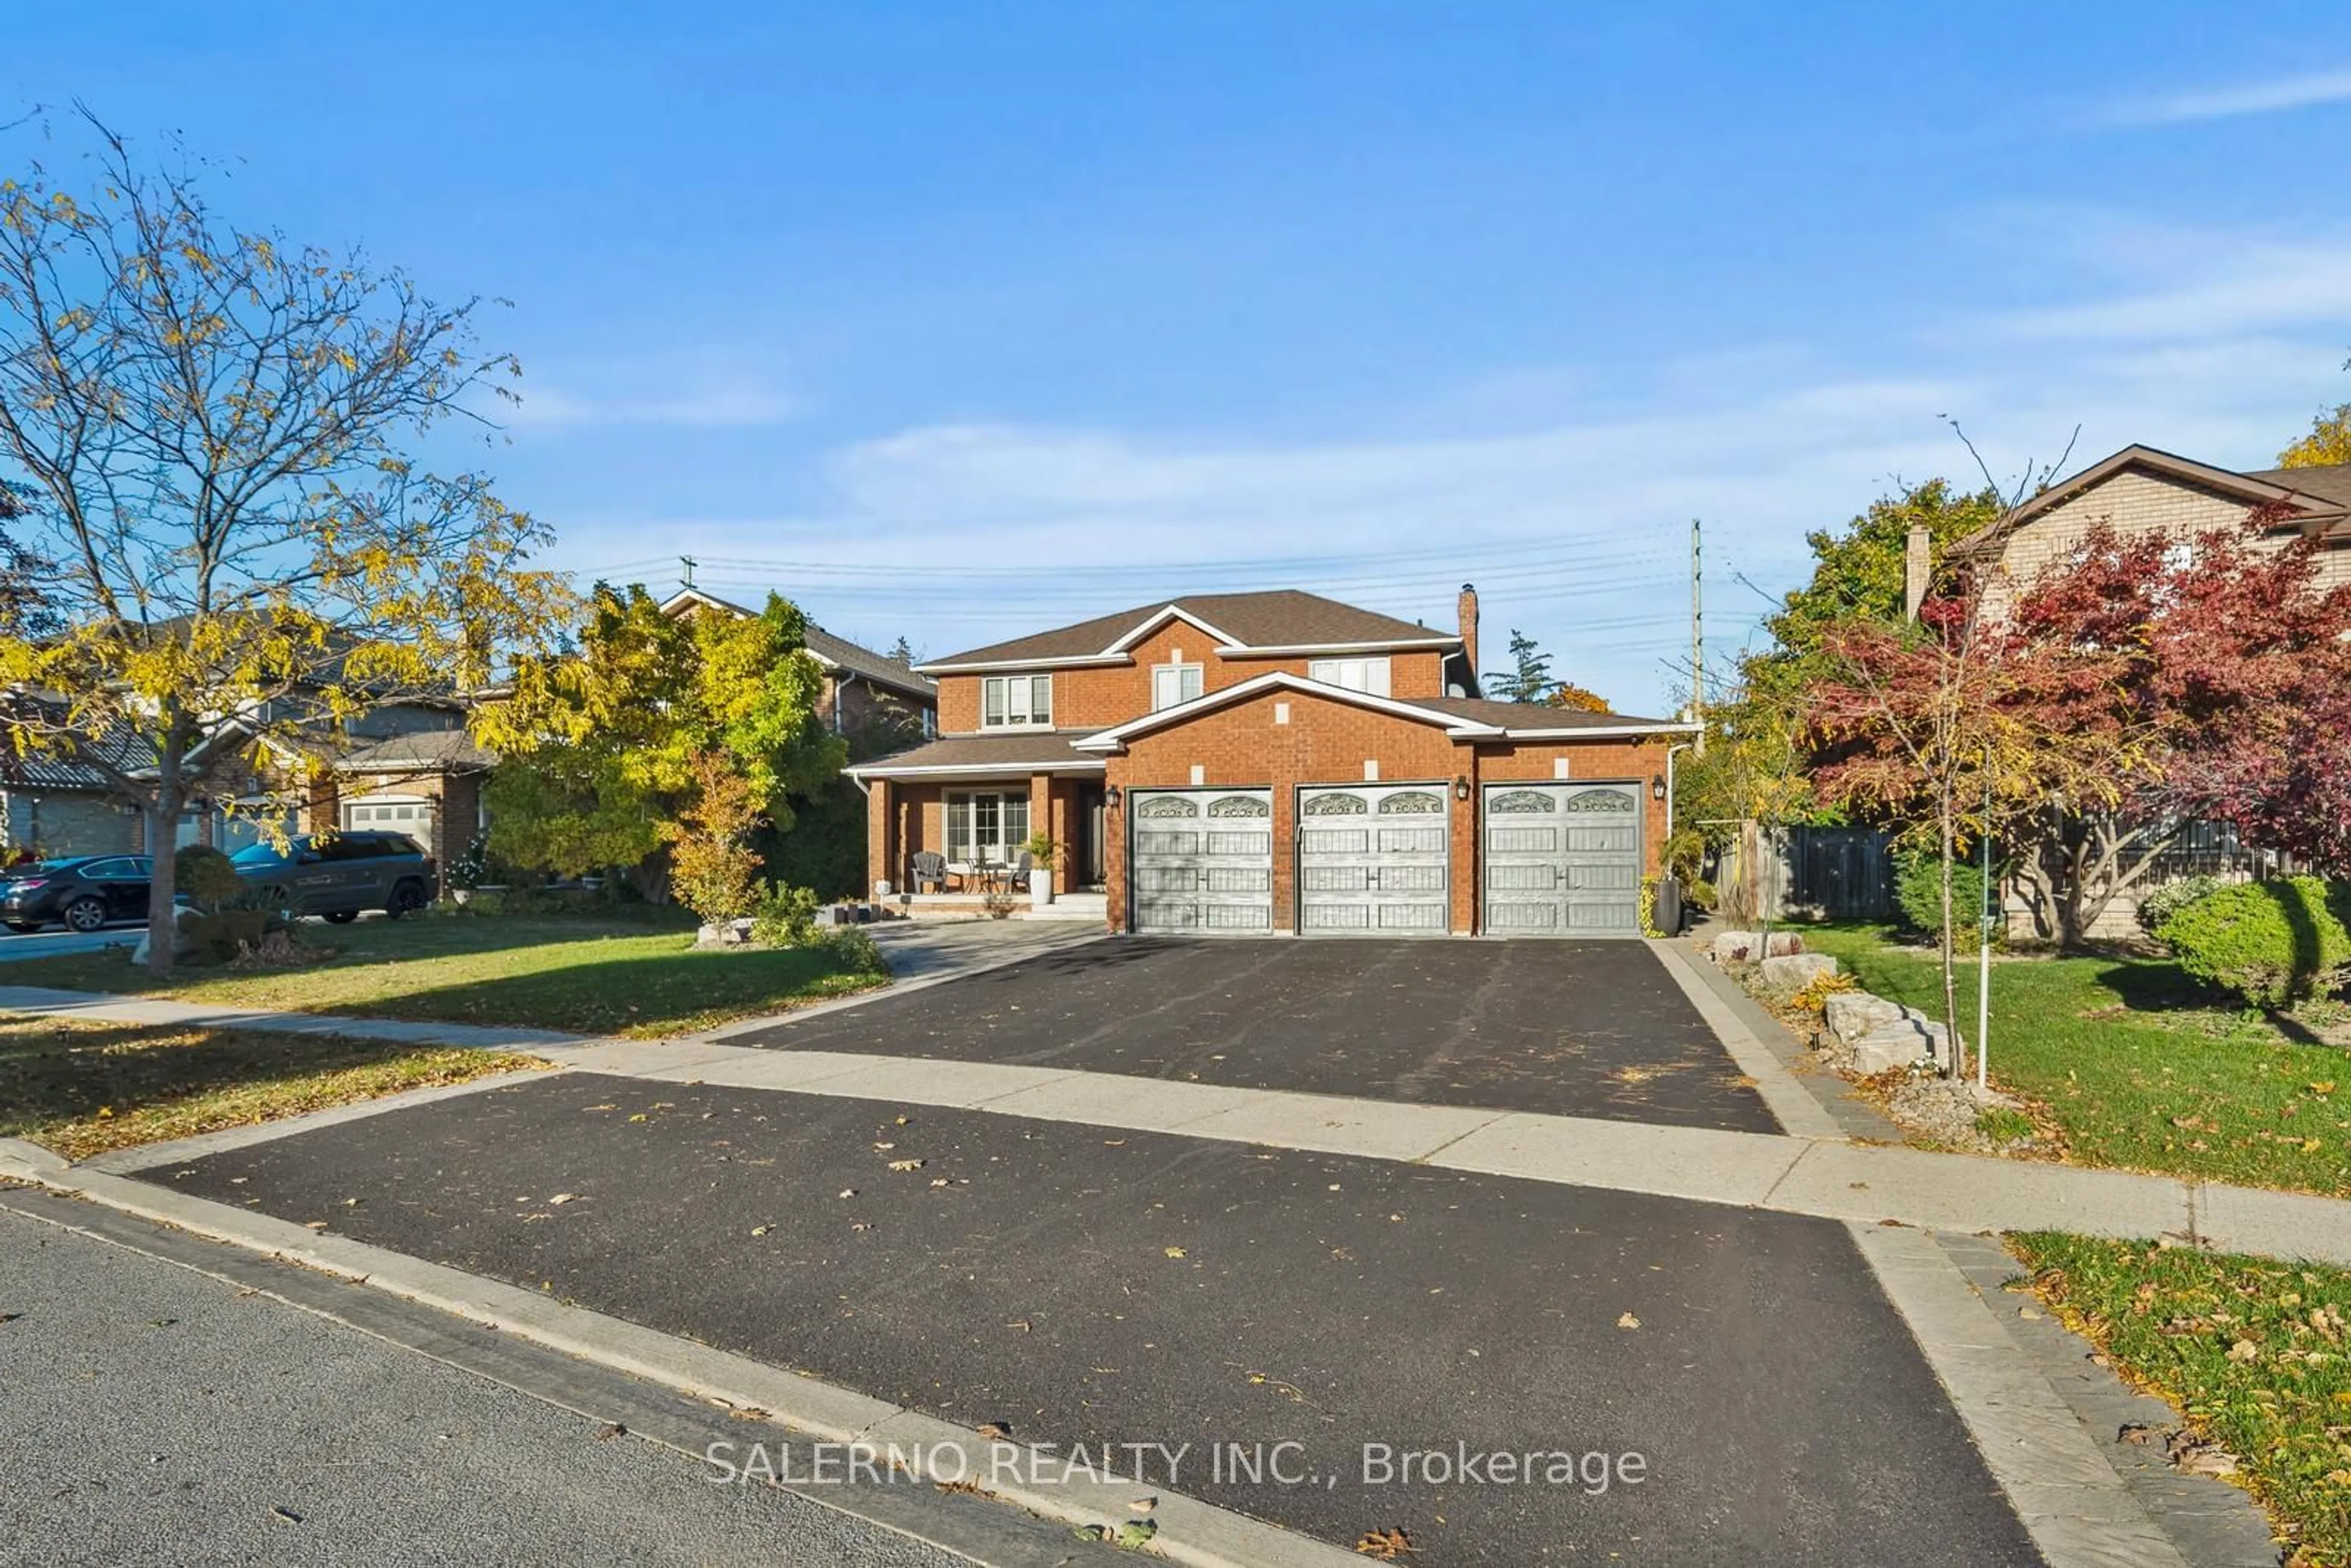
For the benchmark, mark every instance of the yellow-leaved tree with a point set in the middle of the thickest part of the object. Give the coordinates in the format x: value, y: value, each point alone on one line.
x: 210, y: 432
x: 2329, y: 441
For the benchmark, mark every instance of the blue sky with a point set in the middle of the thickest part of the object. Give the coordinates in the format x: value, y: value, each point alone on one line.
x: 956, y: 322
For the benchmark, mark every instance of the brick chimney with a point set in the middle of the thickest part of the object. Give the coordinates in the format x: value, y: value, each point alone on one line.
x: 1918, y: 570
x: 1469, y: 627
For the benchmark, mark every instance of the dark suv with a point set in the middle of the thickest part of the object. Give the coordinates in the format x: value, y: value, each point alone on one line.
x: 85, y: 891
x: 341, y: 876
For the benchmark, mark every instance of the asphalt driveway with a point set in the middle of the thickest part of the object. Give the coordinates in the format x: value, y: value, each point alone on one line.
x: 1081, y: 1287
x: 1577, y: 1028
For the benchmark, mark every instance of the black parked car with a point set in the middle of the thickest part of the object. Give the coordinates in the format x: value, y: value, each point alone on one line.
x: 83, y: 892
x: 342, y: 875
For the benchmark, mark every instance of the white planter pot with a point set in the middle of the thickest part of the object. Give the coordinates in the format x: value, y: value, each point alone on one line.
x: 1040, y: 887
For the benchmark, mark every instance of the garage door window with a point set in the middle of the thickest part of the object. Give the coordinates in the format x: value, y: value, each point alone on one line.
x: 987, y: 825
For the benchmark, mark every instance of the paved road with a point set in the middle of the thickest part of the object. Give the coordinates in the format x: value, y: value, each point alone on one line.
x: 1089, y: 1286
x: 54, y: 944
x: 153, y: 1415
x: 1576, y: 1029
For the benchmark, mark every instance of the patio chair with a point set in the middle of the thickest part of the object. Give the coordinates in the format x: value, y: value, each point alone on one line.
x: 1016, y: 876
x: 927, y: 868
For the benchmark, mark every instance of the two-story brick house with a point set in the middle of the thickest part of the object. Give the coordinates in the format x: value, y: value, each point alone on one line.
x: 1278, y: 762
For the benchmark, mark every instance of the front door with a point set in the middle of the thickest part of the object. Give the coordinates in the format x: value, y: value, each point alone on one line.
x: 1563, y: 859
x: 1088, y: 861
x: 1374, y: 860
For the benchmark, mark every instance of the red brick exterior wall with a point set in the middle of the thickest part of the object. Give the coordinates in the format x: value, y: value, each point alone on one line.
x: 1325, y: 742
x: 1097, y: 696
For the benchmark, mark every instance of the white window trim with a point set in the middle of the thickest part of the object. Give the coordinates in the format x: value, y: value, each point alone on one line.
x: 1377, y: 674
x: 1029, y: 720
x: 999, y: 848
x: 1199, y: 674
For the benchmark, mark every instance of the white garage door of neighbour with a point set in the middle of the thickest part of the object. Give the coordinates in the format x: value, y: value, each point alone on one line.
x: 1201, y: 860
x: 1563, y: 859
x: 1375, y: 859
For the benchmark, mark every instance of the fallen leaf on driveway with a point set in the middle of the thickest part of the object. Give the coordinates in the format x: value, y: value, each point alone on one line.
x: 316, y: 1224
x: 848, y: 1192
x: 1627, y: 1321
x: 880, y: 1146
x: 1384, y: 1545
x: 558, y: 1198
x: 906, y: 1165
x: 1175, y: 1251
x: 1143, y: 1504
x: 761, y: 1229
x: 993, y: 1430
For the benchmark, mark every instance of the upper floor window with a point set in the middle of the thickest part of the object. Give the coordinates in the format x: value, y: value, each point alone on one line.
x: 1016, y: 701
x: 1173, y: 683
x: 1355, y: 675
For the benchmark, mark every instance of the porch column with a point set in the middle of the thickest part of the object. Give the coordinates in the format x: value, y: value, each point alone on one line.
x: 881, y: 842
x: 1040, y: 808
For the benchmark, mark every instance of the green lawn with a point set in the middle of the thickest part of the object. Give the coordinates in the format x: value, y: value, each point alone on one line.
x: 80, y: 1088
x: 2252, y: 1352
x: 2137, y: 1066
x: 586, y: 975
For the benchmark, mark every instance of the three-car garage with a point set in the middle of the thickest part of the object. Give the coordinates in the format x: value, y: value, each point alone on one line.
x: 1555, y: 859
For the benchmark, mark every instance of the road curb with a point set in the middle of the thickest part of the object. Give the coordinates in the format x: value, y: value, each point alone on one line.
x: 2079, y: 1511
x: 1190, y: 1531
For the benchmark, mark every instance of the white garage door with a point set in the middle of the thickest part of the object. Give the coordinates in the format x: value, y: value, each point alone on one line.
x: 1374, y: 858
x: 1201, y: 860
x: 1563, y: 859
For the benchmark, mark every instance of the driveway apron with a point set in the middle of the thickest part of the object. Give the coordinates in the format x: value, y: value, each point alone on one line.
x: 1578, y: 1028
x: 1085, y: 1286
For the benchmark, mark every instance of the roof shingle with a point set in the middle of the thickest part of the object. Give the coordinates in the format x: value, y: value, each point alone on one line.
x: 1282, y: 617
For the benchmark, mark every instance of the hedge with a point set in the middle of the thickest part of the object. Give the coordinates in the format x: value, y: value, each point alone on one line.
x: 2273, y: 943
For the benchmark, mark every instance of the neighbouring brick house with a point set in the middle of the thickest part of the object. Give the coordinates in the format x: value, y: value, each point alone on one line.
x: 2139, y: 491
x: 405, y: 766
x: 863, y: 689
x: 1278, y: 762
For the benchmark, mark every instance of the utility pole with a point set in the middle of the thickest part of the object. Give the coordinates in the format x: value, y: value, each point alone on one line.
x: 1698, y: 628
x: 686, y: 564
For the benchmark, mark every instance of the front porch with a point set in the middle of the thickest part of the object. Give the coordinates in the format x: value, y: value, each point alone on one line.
x: 941, y: 843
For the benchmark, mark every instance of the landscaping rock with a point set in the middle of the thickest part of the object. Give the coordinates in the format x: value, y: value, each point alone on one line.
x: 1734, y: 947
x: 1908, y: 1039
x: 1794, y: 971
x: 1851, y: 1015
x: 1784, y: 943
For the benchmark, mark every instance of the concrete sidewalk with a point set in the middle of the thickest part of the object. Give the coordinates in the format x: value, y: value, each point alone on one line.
x: 1819, y: 1175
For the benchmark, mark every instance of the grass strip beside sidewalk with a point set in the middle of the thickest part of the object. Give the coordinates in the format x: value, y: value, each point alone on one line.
x: 579, y: 976
x: 79, y: 1088
x: 2254, y: 1355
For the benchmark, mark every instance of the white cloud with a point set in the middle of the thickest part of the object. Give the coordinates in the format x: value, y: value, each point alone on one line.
x: 716, y: 406
x: 1570, y: 514
x: 2253, y: 284
x: 2275, y: 96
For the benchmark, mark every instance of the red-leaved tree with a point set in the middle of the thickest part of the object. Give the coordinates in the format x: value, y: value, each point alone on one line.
x: 2236, y: 661
x: 1963, y: 724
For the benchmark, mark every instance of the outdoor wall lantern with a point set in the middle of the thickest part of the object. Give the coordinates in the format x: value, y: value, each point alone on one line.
x: 1657, y: 786
x: 1110, y: 797
x: 1461, y: 787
